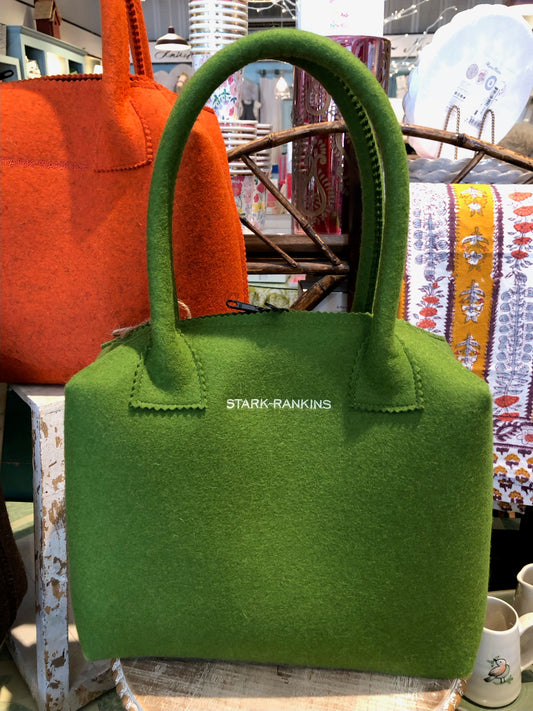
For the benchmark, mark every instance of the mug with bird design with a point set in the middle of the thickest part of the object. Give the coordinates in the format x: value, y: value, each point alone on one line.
x: 506, y: 649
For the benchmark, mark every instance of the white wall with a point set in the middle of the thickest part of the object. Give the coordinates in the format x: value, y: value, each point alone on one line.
x: 13, y: 12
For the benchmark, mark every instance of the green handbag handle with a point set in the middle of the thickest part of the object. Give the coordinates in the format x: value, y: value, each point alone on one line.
x: 384, y: 376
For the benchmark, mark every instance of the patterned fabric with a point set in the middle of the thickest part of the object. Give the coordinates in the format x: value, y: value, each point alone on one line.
x: 469, y: 278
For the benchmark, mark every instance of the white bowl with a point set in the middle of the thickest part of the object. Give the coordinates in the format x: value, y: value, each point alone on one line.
x: 207, y: 33
x: 219, y: 17
x: 242, y: 6
x: 235, y: 133
x: 252, y: 123
x: 225, y: 16
x: 235, y: 144
x: 205, y: 51
x: 208, y: 39
x: 225, y: 22
x: 238, y: 126
x: 217, y: 30
x: 209, y: 48
x: 203, y: 35
x: 218, y: 7
x: 243, y: 137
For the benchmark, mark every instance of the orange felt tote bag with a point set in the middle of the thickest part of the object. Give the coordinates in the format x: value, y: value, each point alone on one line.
x: 77, y: 155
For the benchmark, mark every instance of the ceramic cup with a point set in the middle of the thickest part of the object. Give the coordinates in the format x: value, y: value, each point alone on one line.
x: 523, y: 599
x: 506, y: 649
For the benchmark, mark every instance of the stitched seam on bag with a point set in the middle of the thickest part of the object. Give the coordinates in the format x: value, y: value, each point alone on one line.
x: 375, y: 166
x: 148, y: 145
x: 371, y: 407
x: 25, y: 163
x: 417, y: 376
x: 376, y: 169
x: 136, y: 402
x: 141, y: 82
x: 136, y: 35
x: 270, y: 314
x: 165, y: 94
x: 56, y: 78
x: 437, y: 337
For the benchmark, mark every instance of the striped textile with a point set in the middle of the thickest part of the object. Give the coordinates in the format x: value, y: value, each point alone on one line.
x: 469, y: 278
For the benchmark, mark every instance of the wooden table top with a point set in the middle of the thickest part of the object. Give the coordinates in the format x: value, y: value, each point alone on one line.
x: 191, y: 685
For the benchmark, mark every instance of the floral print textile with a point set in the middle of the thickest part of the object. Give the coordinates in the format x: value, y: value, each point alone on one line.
x: 469, y: 278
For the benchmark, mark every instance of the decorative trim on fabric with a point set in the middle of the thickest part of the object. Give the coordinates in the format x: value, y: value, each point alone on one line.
x: 148, y: 145
x: 469, y: 277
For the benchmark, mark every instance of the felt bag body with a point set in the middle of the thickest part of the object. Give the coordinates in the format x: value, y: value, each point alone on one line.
x: 298, y: 488
x: 77, y: 157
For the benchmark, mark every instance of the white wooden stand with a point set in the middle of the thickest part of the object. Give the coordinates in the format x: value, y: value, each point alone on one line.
x: 43, y: 641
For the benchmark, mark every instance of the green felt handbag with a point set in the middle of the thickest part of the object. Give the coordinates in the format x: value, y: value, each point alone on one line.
x: 289, y: 487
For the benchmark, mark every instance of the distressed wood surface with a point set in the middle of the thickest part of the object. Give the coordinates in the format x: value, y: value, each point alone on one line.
x: 180, y: 685
x: 50, y: 554
x: 43, y: 642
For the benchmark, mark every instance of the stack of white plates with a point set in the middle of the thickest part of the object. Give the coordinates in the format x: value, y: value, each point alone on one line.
x: 249, y: 192
x: 264, y: 158
x: 238, y: 133
x: 216, y: 23
x: 213, y: 24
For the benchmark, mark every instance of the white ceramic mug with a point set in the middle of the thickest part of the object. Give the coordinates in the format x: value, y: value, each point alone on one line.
x: 523, y: 599
x: 506, y: 649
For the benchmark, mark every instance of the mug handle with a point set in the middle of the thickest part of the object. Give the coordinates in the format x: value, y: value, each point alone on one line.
x: 525, y: 625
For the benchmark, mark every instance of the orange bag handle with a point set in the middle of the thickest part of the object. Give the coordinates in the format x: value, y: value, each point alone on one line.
x: 140, y: 49
x: 123, y: 28
x: 125, y: 141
